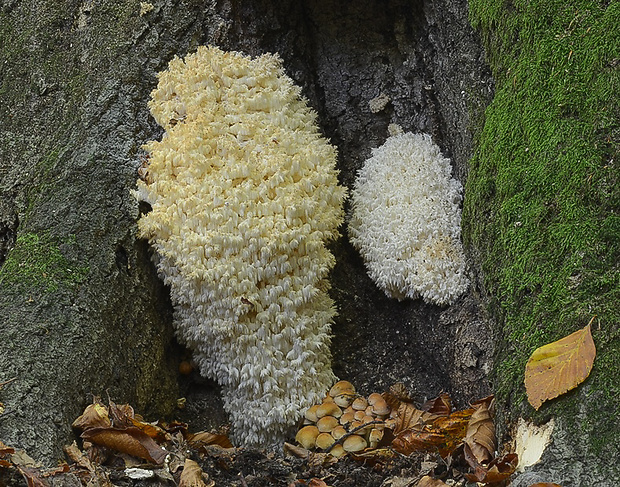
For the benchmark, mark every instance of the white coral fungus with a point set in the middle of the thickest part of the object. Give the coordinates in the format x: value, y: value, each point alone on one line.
x: 406, y: 221
x: 244, y: 194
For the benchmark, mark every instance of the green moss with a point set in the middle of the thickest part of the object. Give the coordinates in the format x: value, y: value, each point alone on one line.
x: 542, y: 197
x: 37, y: 261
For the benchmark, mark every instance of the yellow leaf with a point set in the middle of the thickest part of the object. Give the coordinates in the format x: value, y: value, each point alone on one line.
x: 558, y: 367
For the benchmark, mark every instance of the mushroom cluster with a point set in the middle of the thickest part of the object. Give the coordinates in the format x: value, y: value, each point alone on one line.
x: 346, y: 422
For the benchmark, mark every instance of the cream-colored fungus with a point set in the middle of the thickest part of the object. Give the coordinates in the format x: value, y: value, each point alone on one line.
x: 406, y: 221
x: 244, y: 195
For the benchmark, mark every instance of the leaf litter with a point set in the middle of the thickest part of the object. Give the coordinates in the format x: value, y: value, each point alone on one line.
x: 431, y: 446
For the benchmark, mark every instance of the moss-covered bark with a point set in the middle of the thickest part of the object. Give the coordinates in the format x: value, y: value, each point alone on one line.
x: 542, y: 201
x: 81, y: 311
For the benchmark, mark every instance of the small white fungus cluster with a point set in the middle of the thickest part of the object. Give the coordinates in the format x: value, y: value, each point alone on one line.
x: 406, y: 221
x: 244, y: 194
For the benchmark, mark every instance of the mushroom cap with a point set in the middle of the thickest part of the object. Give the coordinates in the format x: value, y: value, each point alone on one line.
x: 340, y: 387
x: 324, y: 440
x: 338, y: 432
x: 326, y: 424
x: 360, y: 404
x: 337, y: 451
x: 374, y: 437
x: 310, y: 413
x: 328, y: 409
x: 354, y: 443
x: 380, y: 407
x: 307, y: 436
x: 347, y: 418
x: 345, y: 399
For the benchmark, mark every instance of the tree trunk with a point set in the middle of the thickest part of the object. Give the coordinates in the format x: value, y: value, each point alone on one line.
x: 81, y: 307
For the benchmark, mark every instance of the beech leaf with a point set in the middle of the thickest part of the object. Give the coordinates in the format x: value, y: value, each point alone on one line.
x: 193, y: 476
x: 558, y: 367
x: 131, y: 441
x: 428, y: 481
x: 480, y: 435
x: 441, y: 405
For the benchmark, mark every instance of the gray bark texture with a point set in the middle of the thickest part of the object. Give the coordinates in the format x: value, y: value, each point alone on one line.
x: 82, y: 311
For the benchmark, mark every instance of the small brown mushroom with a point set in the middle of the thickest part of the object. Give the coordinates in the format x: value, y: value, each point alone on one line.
x: 347, y: 418
x: 359, y: 404
x: 328, y: 409
x: 307, y: 436
x: 340, y: 387
x: 374, y: 437
x: 326, y: 424
x: 310, y: 414
x: 344, y: 400
x: 337, y: 451
x: 338, y: 432
x: 354, y: 443
x: 324, y: 440
x: 380, y: 407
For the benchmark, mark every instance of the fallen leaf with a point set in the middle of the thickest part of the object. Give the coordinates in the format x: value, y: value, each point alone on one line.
x: 428, y: 481
x: 152, y: 430
x: 120, y: 415
x: 314, y: 482
x: 442, y: 434
x: 409, y: 417
x: 193, y: 476
x: 32, y: 476
x: 204, y: 438
x: 498, y: 469
x: 558, y: 367
x: 442, y: 405
x: 480, y: 434
x: 131, y: 441
x: 545, y: 484
x: 94, y: 416
x: 296, y: 451
x: 5, y: 450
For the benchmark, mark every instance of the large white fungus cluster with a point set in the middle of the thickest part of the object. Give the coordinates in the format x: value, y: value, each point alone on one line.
x: 406, y: 220
x: 244, y: 194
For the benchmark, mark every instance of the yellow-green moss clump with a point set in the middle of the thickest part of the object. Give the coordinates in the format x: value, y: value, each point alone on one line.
x: 244, y: 194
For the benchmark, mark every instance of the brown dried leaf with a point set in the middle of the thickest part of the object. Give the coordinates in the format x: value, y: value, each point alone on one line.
x: 558, y: 367
x: 377, y: 456
x: 320, y: 460
x: 314, y: 482
x: 411, y: 417
x: 296, y: 451
x: 5, y: 450
x: 441, y: 406
x: 151, y: 429
x: 121, y: 415
x: 193, y: 476
x: 32, y: 476
x: 427, y: 481
x: 131, y: 441
x: 78, y: 457
x: 480, y: 435
x: 443, y: 434
x: 545, y: 484
x: 94, y: 416
x: 498, y: 469
x: 204, y: 438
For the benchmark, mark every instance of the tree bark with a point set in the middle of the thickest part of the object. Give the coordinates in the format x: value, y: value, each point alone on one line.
x: 81, y: 309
